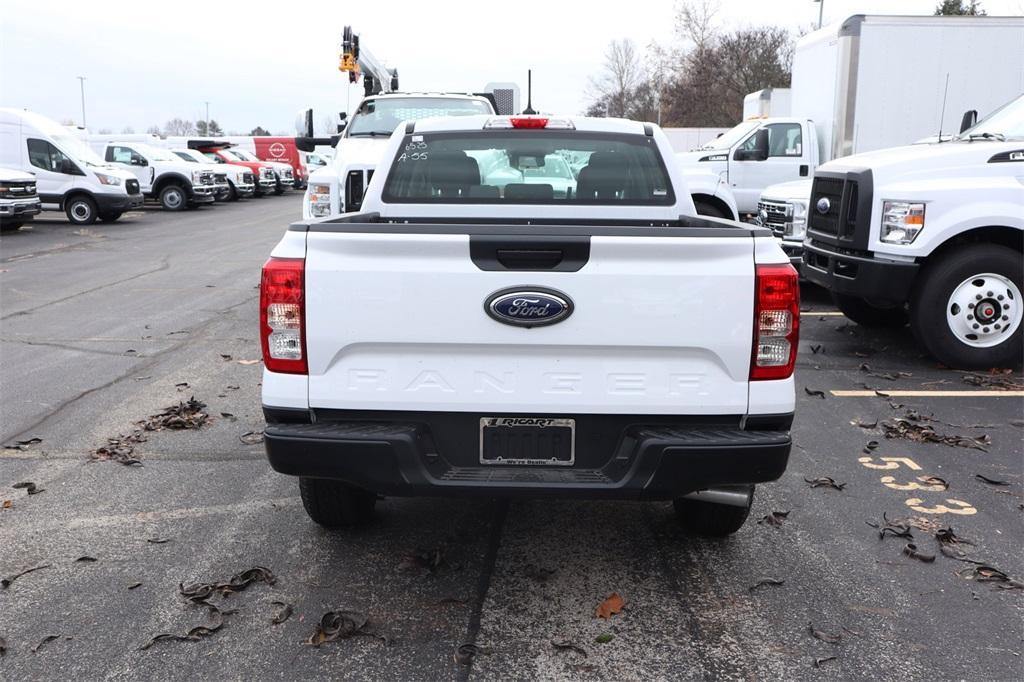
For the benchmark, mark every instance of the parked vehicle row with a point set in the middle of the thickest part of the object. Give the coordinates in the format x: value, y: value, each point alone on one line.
x: 51, y: 167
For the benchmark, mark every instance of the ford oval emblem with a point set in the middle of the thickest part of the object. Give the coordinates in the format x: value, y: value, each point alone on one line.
x: 823, y: 205
x: 528, y: 306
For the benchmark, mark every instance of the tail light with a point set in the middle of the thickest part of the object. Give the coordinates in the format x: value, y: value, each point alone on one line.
x: 283, y: 315
x: 776, y: 322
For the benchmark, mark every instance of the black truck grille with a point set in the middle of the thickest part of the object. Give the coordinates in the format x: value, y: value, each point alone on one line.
x: 220, y: 178
x: 840, y: 210
x: 773, y: 216
x: 132, y: 186
x: 247, y: 178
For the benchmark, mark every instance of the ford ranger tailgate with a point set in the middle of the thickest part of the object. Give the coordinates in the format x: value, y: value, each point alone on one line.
x: 659, y: 319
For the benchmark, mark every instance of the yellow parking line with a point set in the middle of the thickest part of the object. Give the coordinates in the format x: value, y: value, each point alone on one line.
x: 828, y: 313
x: 928, y: 394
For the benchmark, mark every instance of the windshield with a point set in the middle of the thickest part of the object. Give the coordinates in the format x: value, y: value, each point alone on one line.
x: 233, y: 154
x: 79, y: 150
x: 241, y: 154
x: 1006, y: 122
x: 529, y: 167
x: 381, y: 116
x: 191, y: 156
x: 730, y: 137
x: 153, y: 153
x: 212, y: 156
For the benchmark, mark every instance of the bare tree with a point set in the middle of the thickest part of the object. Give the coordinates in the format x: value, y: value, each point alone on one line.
x: 623, y: 73
x: 105, y: 131
x: 695, y: 22
x: 178, y: 127
x: 153, y: 130
x: 128, y: 130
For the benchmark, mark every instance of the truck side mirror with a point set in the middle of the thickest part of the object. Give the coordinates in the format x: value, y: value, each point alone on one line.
x: 760, y: 151
x: 969, y: 119
x: 343, y: 121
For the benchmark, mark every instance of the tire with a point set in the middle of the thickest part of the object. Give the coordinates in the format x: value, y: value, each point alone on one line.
x: 709, y: 210
x: 232, y: 192
x: 110, y: 217
x: 709, y: 519
x: 279, y: 189
x: 81, y: 210
x: 335, y: 504
x: 942, y: 316
x: 868, y: 315
x: 12, y: 226
x: 173, y: 197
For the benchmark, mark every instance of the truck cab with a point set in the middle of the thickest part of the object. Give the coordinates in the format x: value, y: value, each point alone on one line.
x: 757, y: 153
x: 162, y: 176
x: 930, y: 234
x: 238, y: 181
x: 264, y: 177
x: 489, y: 326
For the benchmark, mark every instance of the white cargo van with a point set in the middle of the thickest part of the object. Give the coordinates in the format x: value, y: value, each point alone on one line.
x: 70, y: 177
x: 867, y: 83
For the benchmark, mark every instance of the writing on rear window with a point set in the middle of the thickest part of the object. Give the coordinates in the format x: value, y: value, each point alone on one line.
x: 529, y: 167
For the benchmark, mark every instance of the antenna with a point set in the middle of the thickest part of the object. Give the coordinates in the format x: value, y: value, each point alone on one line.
x: 942, y: 116
x: 529, y: 93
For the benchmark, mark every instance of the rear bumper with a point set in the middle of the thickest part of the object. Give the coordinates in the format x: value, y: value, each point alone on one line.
x: 860, y: 276
x: 436, y: 454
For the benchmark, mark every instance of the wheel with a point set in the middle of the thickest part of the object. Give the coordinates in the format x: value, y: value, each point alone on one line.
x: 173, y: 198
x: 967, y: 310
x: 110, y: 217
x: 81, y: 210
x: 334, y: 504
x: 232, y: 192
x: 279, y: 189
x: 710, y: 519
x: 869, y: 315
x: 704, y: 208
x: 12, y: 226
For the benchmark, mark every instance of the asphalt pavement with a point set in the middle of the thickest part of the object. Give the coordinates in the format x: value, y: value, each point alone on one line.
x: 102, y: 327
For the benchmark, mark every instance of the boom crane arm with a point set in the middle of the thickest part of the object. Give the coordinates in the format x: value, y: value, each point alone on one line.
x: 359, y: 62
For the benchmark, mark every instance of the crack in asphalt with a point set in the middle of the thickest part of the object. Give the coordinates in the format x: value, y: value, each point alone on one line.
x: 134, y: 370
x: 484, y: 581
x: 164, y: 265
x: 96, y: 351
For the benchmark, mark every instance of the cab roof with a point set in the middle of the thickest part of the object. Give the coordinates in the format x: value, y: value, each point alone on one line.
x: 579, y: 123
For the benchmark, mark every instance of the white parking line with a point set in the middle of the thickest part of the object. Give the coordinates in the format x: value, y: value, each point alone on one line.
x: 826, y: 313
x: 928, y: 394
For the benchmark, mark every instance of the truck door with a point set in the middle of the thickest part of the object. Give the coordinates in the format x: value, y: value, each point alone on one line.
x: 134, y: 163
x: 55, y: 171
x: 788, y: 159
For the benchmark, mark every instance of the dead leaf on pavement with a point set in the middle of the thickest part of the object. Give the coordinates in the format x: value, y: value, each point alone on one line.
x: 134, y: 585
x: 251, y: 437
x: 824, y: 482
x: 865, y: 425
x: 3, y: 647
x: 814, y: 393
x: 23, y: 444
x: 7, y: 504
x: 185, y: 415
x: 824, y: 636
x: 193, y: 635
x: 335, y: 625
x: 200, y: 592
x: 86, y: 559
x: 283, y: 612
x: 899, y: 528
x: 564, y: 644
x: 604, y: 638
x: 775, y: 518
x: 44, y: 640
x: 818, y: 662
x: 225, y: 356
x: 465, y: 653
x: 766, y: 582
x: 6, y: 582
x: 610, y: 606
x: 985, y: 479
x: 908, y: 429
x: 429, y: 559
x: 29, y: 487
x: 911, y: 551
x: 157, y: 541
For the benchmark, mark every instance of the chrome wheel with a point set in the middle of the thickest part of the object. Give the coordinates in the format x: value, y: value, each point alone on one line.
x: 81, y: 211
x: 984, y: 310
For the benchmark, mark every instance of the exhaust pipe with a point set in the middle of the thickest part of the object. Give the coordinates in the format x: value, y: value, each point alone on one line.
x: 730, y: 495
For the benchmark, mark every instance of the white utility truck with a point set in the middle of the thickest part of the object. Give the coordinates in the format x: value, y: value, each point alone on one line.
x: 239, y: 180
x: 480, y: 330
x: 162, y: 175
x: 933, y: 233
x: 867, y: 83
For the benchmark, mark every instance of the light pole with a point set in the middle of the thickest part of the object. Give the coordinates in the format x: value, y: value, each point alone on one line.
x: 81, y: 81
x: 821, y: 10
x: 207, y: 117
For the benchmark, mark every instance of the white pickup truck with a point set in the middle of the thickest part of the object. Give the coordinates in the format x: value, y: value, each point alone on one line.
x: 472, y: 332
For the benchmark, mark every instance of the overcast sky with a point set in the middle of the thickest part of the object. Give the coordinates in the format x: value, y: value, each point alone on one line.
x: 258, y: 63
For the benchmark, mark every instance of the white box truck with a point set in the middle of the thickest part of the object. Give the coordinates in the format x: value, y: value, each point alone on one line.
x: 867, y: 83
x: 767, y: 102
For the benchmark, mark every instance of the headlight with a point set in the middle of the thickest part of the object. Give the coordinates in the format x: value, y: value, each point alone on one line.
x: 319, y: 200
x: 197, y: 176
x: 902, y: 221
x: 108, y: 179
x: 796, y: 220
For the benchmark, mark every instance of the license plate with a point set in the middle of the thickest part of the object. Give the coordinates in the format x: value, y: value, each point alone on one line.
x: 527, y: 440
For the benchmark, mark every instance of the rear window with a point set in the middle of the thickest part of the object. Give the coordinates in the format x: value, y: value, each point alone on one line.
x: 529, y: 167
